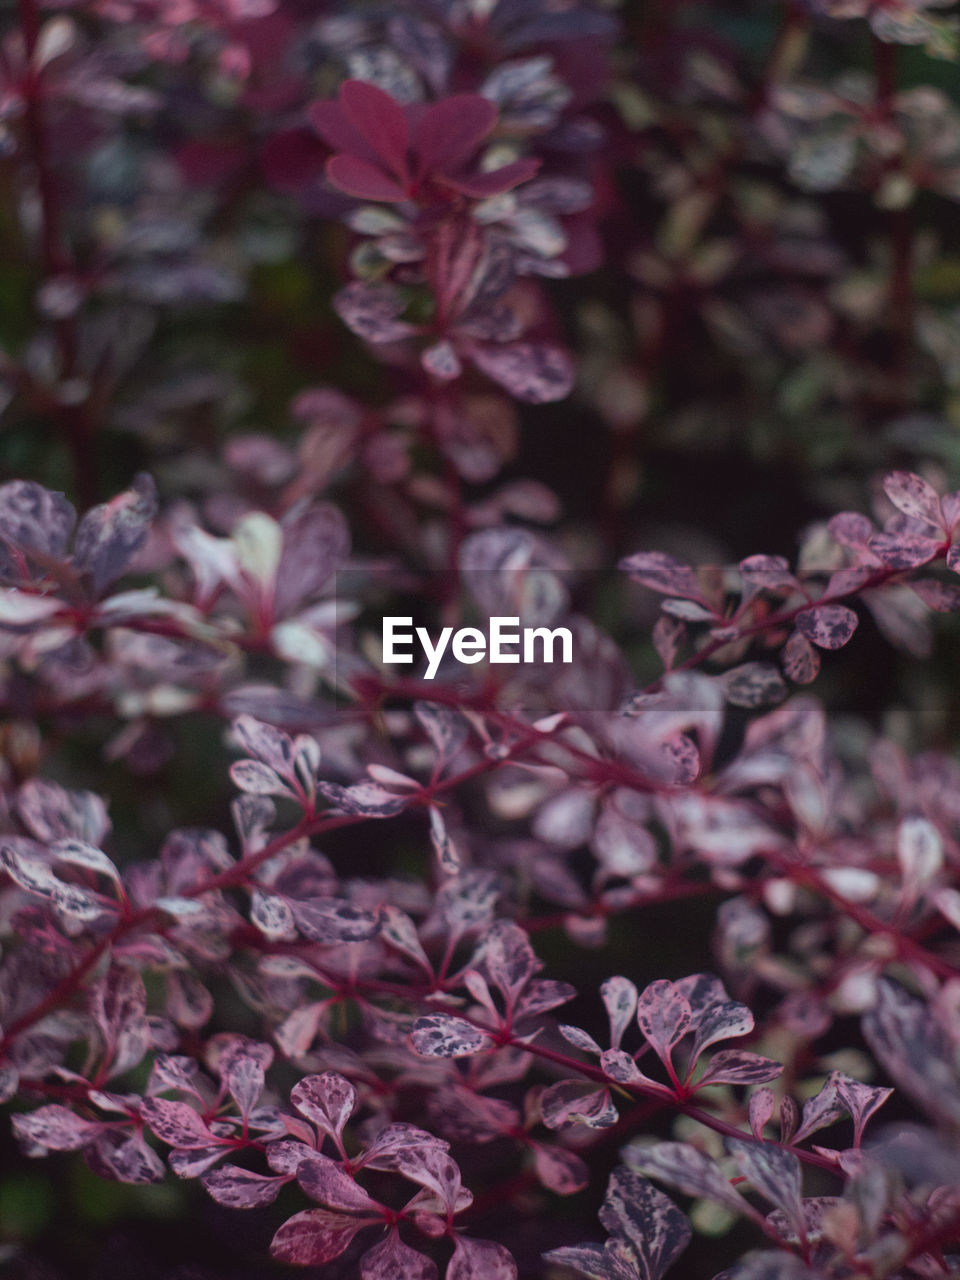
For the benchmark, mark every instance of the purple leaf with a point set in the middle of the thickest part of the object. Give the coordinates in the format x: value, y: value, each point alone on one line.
x: 904, y: 550
x: 823, y: 1109
x: 663, y: 573
x: 55, y: 1127
x: 324, y: 1181
x: 356, y: 177
x: 766, y: 573
x: 313, y: 1237
x: 394, y: 1260
x: 258, y: 779
x: 941, y: 597
x: 120, y: 1156
x: 541, y: 995
x: 562, y: 1171
x: 242, y: 1064
x: 444, y: 849
x: 316, y: 542
x: 441, y: 1035
x: 736, y: 1066
x: 110, y: 535
x: 52, y: 813
x: 33, y: 519
x: 118, y: 1005
x: 328, y: 1100
x: 912, y: 495
x: 331, y: 921
x: 611, y: 1261
x: 861, y: 1100
x: 620, y: 1000
x: 242, y: 1189
x: 445, y: 728
x: 851, y: 529
x: 753, y: 685
x: 664, y: 1017
x: 371, y: 311
x: 828, y: 626
x: 480, y: 1260
x: 685, y: 1168
x: 914, y: 1049
x: 723, y: 1021
x: 364, y: 799
x: 762, y: 1103
x: 272, y: 915
x: 580, y: 1040
x: 427, y: 1164
x: 651, y: 1226
x: 450, y: 131
x: 801, y: 661
x: 508, y: 959
x: 774, y: 1172
x: 176, y: 1124
x: 577, y: 1102
x: 379, y: 119
x: 534, y: 373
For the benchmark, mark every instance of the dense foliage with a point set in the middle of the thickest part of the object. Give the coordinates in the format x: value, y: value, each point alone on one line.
x: 645, y: 321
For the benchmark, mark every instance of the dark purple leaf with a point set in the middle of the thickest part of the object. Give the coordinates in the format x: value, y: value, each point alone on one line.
x: 652, y: 1227
x: 829, y: 626
x: 33, y: 519
x: 110, y: 535
x: 316, y: 542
